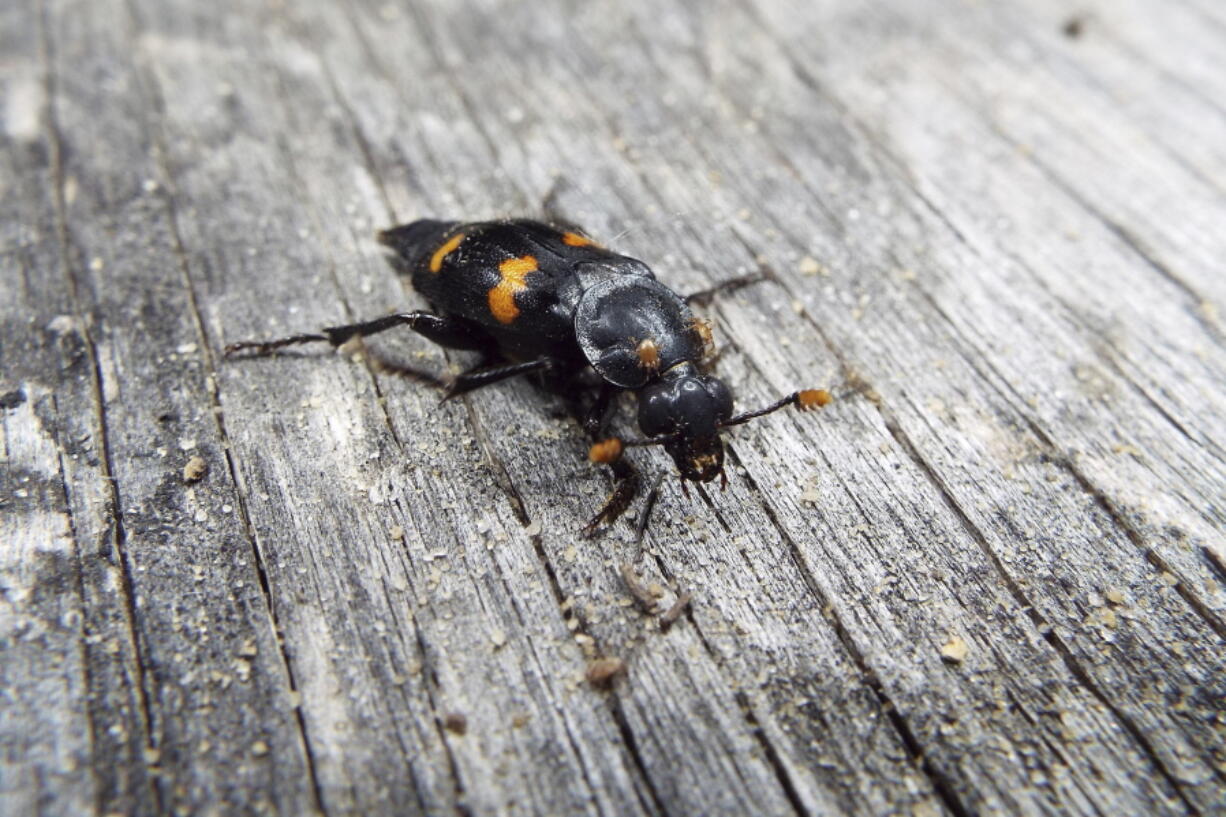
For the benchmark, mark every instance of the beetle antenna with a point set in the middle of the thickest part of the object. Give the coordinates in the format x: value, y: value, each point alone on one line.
x: 660, y: 440
x: 804, y: 400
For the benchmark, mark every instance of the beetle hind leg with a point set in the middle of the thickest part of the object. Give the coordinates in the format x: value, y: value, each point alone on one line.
x: 445, y: 330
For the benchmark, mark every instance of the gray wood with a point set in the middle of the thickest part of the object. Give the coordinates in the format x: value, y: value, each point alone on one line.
x: 987, y: 580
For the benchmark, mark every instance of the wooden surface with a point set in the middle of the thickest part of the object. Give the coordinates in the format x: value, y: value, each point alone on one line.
x: 987, y: 580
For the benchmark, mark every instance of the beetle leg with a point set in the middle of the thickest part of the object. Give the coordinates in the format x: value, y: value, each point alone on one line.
x: 705, y: 296
x: 442, y: 329
x: 598, y: 415
x: 385, y: 364
x: 480, y: 376
x: 617, y: 503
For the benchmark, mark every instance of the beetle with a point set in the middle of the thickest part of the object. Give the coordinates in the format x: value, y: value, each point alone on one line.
x: 544, y: 299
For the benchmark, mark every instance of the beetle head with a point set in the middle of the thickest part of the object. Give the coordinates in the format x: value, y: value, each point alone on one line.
x: 688, y: 407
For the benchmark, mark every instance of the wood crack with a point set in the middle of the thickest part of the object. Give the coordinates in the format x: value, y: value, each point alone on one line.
x: 213, y: 389
x: 942, y: 785
x: 86, y: 668
x: 115, y: 546
x: 430, y: 685
x: 405, y: 749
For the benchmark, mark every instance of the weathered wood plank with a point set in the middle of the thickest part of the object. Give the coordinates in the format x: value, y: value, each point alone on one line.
x: 213, y: 722
x: 997, y: 241
x: 74, y: 723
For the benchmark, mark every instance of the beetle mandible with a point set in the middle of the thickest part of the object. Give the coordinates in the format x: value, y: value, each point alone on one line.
x: 545, y: 299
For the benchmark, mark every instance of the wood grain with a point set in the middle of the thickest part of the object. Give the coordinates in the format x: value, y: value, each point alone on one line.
x: 987, y: 580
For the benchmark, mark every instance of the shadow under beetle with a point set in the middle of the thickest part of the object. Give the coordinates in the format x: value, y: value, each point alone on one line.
x: 535, y: 298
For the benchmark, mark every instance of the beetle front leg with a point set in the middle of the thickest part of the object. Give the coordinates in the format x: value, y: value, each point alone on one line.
x: 623, y: 494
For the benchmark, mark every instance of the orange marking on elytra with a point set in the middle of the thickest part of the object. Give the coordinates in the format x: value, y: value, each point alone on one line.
x: 576, y: 240
x: 436, y: 260
x: 502, y: 294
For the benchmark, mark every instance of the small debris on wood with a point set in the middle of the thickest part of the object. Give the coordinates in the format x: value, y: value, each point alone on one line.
x: 645, y: 599
x: 1102, y: 617
x: 498, y: 638
x: 603, y: 671
x: 954, y: 651
x: 195, y: 469
x: 397, y: 533
x: 811, y: 266
x: 12, y: 399
x: 1115, y: 596
x: 675, y: 612
x: 259, y: 748
x: 455, y: 722
x: 640, y: 526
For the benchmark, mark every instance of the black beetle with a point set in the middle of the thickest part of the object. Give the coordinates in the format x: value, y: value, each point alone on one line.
x: 546, y: 299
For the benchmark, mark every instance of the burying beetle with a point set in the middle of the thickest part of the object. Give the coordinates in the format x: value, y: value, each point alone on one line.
x: 533, y: 298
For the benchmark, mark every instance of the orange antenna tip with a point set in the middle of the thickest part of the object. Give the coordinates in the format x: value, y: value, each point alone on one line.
x: 813, y: 398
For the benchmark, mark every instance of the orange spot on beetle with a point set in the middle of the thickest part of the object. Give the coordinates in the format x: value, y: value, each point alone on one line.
x: 606, y: 451
x: 436, y: 260
x: 502, y: 295
x: 649, y: 354
x: 576, y: 240
x: 813, y: 398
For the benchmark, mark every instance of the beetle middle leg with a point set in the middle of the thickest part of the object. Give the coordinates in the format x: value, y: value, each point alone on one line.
x: 482, y: 375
